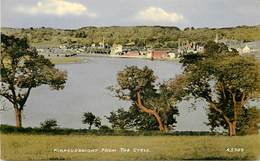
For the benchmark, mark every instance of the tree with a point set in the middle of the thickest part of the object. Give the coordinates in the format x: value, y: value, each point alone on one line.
x: 249, y: 123
x: 90, y: 119
x: 49, y: 124
x: 223, y: 78
x: 138, y: 86
x: 23, y: 69
x: 134, y: 118
x: 120, y: 119
x: 97, y: 122
x: 246, y: 123
x: 141, y: 120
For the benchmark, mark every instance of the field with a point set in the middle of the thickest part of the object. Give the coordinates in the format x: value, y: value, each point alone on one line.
x: 60, y: 147
x: 65, y: 60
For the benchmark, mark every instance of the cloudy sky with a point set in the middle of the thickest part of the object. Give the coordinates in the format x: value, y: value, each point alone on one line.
x: 79, y: 13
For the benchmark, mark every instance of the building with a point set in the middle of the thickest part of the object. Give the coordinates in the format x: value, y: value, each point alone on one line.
x: 245, y: 50
x: 157, y: 54
x: 190, y: 47
x: 216, y: 39
x: 200, y: 49
x: 116, y: 49
x: 172, y: 55
x: 101, y: 45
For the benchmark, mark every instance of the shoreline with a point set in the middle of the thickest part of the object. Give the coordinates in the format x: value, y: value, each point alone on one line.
x: 126, y: 57
x: 82, y: 58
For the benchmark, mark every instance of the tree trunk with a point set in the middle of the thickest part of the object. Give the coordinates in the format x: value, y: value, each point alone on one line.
x: 155, y: 114
x: 232, y: 128
x: 166, y: 128
x: 231, y: 124
x: 18, y: 117
x: 158, y: 118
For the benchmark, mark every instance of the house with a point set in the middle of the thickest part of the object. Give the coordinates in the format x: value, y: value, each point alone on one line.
x: 143, y: 52
x: 190, y: 47
x: 93, y: 45
x: 63, y: 47
x: 158, y: 54
x: 101, y: 45
x: 172, y: 55
x: 116, y: 49
x: 245, y: 50
x: 200, y: 49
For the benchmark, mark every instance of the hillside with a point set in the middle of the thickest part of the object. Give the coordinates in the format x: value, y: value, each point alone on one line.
x: 155, y: 36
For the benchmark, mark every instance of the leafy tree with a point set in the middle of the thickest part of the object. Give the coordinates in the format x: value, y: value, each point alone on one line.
x: 97, y: 122
x: 223, y: 78
x: 90, y: 119
x: 141, y: 120
x: 138, y: 86
x: 120, y: 119
x: 23, y: 69
x: 133, y: 118
x: 49, y: 124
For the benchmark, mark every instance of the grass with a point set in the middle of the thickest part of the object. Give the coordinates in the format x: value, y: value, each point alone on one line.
x: 41, y: 147
x: 66, y: 60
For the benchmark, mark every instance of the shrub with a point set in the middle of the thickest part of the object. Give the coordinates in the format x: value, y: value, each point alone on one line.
x: 49, y: 124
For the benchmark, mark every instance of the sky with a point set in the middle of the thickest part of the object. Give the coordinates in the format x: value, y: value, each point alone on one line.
x: 71, y: 14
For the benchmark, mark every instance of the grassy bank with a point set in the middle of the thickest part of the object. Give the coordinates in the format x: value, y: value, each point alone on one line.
x: 66, y: 60
x: 44, y: 147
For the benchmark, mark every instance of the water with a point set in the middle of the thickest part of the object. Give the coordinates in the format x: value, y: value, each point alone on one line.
x: 85, y: 91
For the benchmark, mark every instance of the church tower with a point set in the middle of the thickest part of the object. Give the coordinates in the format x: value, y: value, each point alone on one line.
x: 216, y: 39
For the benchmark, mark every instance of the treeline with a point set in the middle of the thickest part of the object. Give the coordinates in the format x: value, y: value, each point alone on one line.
x: 142, y: 36
x: 7, y: 129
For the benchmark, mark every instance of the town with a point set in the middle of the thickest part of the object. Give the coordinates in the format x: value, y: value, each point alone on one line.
x: 130, y: 50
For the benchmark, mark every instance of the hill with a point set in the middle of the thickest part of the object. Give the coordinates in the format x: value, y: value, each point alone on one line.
x: 153, y: 36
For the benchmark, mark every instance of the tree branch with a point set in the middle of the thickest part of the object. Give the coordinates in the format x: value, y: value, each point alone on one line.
x: 139, y: 103
x: 8, y: 97
x: 234, y: 99
x: 24, y: 99
x: 244, y: 99
x: 214, y: 106
x: 141, y: 106
x: 222, y: 87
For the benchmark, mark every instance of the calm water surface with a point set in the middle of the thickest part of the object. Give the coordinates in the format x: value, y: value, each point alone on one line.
x: 86, y: 91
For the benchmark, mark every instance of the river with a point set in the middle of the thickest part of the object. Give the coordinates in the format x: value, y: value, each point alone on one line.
x: 85, y: 91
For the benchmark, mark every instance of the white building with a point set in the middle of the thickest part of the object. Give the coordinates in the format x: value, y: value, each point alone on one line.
x: 245, y: 50
x: 116, y: 49
x: 172, y: 55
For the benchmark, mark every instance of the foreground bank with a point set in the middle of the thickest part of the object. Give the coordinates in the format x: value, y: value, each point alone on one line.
x: 79, y: 147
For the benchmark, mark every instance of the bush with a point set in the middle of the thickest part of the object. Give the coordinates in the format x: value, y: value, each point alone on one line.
x: 49, y: 124
x: 105, y: 128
